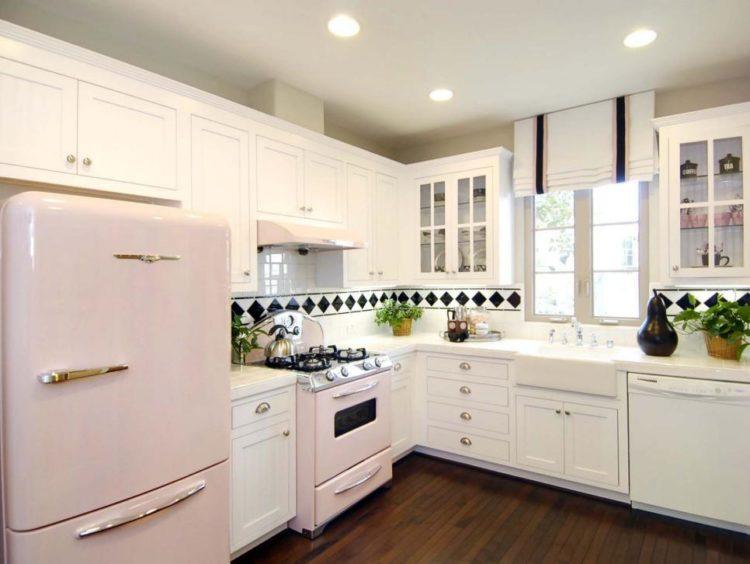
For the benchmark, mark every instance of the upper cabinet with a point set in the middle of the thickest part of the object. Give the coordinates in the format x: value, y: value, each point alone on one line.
x: 704, y: 181
x: 296, y: 182
x: 461, y: 218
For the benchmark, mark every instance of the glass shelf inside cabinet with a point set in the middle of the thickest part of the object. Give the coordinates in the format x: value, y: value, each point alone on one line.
x: 693, y: 172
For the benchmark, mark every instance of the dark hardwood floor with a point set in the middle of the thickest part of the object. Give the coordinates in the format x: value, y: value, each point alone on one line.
x: 438, y: 511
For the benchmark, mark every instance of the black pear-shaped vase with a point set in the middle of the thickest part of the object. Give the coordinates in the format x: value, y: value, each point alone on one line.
x: 657, y: 336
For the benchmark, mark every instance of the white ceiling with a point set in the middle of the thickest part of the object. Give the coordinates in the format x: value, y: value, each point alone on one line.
x: 505, y: 59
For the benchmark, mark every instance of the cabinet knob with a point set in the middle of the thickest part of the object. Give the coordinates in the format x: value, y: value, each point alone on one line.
x: 302, y: 208
x: 71, y: 159
x: 675, y: 268
x: 263, y: 407
x: 466, y: 441
x: 465, y: 366
x: 558, y: 411
x: 466, y: 416
x: 309, y: 209
x: 397, y: 367
x: 380, y: 272
x: 246, y: 272
x: 567, y: 412
x: 371, y: 273
x: 465, y: 390
x: 86, y: 161
x: 286, y: 432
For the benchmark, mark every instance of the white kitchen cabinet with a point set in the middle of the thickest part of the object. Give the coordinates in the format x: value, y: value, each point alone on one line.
x: 572, y: 439
x: 280, y: 175
x: 402, y: 408
x: 704, y: 192
x: 126, y: 138
x: 324, y: 188
x: 462, y: 218
x: 37, y: 120
x: 386, y: 231
x: 221, y: 185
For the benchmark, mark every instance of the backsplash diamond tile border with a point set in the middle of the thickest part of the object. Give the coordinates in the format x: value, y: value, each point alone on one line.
x: 676, y: 299
x: 341, y: 302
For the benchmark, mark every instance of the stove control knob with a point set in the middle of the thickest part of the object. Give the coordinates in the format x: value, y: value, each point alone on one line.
x: 378, y: 362
x: 330, y: 376
x: 344, y: 371
x: 367, y: 365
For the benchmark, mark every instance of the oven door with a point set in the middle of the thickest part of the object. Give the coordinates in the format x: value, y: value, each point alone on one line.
x: 353, y: 423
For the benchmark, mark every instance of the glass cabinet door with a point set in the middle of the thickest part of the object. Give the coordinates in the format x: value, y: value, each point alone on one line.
x: 712, y: 237
x: 471, y: 214
x: 432, y: 226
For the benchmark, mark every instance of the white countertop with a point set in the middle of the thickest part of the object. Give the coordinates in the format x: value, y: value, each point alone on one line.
x: 257, y: 378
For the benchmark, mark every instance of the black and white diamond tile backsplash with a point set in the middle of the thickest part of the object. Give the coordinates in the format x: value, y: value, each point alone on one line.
x: 336, y: 303
x: 676, y: 299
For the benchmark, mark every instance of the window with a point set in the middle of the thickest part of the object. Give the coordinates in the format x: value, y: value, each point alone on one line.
x: 586, y: 254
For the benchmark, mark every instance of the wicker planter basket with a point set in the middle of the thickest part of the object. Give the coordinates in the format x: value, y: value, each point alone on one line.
x: 719, y: 347
x: 403, y: 329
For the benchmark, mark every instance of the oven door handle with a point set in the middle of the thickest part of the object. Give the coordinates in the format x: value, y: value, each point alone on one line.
x: 364, y: 388
x: 359, y: 482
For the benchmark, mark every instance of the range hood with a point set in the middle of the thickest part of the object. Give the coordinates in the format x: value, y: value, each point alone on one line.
x: 306, y: 237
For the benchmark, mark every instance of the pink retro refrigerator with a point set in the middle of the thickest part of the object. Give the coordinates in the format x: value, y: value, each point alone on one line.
x: 115, y: 392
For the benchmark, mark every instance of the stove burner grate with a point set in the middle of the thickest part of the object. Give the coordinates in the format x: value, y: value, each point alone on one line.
x: 350, y: 355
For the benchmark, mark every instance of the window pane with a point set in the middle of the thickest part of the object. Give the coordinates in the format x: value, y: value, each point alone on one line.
x: 479, y: 259
x: 553, y: 250
x: 439, y: 260
x: 616, y: 203
x: 553, y: 294
x: 615, y: 247
x: 479, y: 194
x: 424, y: 205
x: 553, y: 210
x: 463, y: 201
x: 425, y: 251
x: 616, y: 294
x: 439, y: 196
x: 464, y: 249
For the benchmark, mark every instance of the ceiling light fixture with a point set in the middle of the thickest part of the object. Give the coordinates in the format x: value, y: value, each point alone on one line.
x: 343, y: 26
x: 441, y: 95
x: 639, y: 38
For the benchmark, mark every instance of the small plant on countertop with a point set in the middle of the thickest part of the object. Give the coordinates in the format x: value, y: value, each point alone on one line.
x: 398, y: 315
x: 725, y: 325
x: 244, y: 339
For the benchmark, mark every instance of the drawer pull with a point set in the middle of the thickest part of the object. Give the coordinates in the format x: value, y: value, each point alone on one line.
x: 466, y: 416
x: 466, y: 441
x: 465, y: 390
x: 57, y: 376
x: 557, y: 411
x: 397, y: 367
x: 465, y: 366
x: 359, y: 482
x: 263, y: 407
x: 567, y: 412
x: 286, y: 432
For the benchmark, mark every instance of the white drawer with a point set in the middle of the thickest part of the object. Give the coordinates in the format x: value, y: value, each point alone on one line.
x: 468, y: 366
x: 404, y: 365
x: 467, y: 390
x: 469, y: 444
x: 469, y: 417
x: 261, y: 407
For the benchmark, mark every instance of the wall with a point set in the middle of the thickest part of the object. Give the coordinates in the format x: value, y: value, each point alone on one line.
x: 288, y: 103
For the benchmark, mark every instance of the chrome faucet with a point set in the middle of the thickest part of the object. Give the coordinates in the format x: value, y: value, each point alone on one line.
x: 579, y: 331
x: 551, y: 337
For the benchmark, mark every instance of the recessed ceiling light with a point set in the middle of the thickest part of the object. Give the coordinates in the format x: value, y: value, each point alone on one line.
x: 343, y: 26
x: 639, y: 38
x: 441, y: 95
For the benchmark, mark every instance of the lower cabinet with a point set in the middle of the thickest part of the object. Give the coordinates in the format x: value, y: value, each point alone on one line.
x: 263, y: 487
x: 572, y: 439
x: 402, y: 408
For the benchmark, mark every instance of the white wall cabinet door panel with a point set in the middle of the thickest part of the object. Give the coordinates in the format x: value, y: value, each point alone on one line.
x: 539, y: 429
x: 280, y: 178
x: 591, y: 443
x: 37, y: 118
x: 126, y: 138
x: 359, y: 184
x: 263, y: 483
x: 220, y: 184
x: 324, y: 188
x: 386, y: 227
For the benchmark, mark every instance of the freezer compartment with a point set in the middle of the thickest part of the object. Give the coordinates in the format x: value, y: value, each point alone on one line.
x: 193, y: 527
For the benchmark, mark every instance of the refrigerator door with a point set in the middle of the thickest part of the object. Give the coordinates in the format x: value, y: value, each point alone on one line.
x: 188, y: 531
x: 69, y: 304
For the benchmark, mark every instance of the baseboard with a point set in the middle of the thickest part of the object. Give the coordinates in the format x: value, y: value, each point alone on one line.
x: 718, y: 523
x: 260, y: 540
x: 526, y: 475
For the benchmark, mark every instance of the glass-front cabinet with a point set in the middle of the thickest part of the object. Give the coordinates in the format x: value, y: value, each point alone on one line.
x: 708, y: 193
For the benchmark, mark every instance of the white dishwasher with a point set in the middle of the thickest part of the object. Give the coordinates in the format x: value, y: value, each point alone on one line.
x: 690, y: 448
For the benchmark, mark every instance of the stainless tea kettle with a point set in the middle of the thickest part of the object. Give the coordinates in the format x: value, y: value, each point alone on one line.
x: 282, y: 345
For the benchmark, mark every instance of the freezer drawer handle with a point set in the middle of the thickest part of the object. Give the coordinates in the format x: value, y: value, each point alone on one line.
x: 146, y: 258
x: 125, y: 519
x: 369, y: 386
x: 359, y: 482
x: 58, y: 376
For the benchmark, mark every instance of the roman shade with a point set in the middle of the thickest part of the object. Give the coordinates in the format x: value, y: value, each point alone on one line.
x: 592, y: 145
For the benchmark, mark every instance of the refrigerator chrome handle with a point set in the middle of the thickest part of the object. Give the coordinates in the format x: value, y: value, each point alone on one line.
x: 58, y: 376
x: 359, y: 482
x: 146, y: 258
x: 125, y: 519
x: 369, y: 386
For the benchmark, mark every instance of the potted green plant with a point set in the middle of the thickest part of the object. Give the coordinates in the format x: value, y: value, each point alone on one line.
x: 244, y: 339
x: 398, y: 315
x: 725, y: 326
